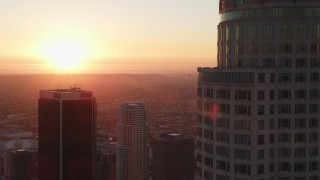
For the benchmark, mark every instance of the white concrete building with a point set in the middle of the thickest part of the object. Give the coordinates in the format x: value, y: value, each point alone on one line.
x: 132, y: 147
x: 258, y: 111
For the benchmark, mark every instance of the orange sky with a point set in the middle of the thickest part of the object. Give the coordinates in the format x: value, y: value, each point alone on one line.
x: 123, y: 36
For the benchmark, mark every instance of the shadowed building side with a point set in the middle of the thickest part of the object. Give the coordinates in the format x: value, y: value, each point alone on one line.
x: 67, y: 132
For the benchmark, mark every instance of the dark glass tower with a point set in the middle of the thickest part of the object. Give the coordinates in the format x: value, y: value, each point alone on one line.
x: 67, y: 127
x: 172, y: 157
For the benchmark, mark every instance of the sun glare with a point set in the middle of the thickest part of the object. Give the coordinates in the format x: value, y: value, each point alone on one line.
x: 65, y: 55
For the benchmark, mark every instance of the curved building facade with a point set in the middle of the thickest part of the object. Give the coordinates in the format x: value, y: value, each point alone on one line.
x: 132, y: 147
x: 258, y: 111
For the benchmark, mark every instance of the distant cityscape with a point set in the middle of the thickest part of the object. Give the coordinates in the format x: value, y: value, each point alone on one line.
x: 20, y: 125
x: 253, y: 117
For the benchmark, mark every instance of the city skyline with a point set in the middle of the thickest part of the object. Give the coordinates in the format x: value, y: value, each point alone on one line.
x: 107, y: 36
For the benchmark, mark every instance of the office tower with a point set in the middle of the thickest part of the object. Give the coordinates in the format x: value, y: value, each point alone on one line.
x: 106, y: 166
x: 67, y: 134
x: 172, y: 157
x: 132, y: 148
x: 23, y: 164
x: 258, y: 111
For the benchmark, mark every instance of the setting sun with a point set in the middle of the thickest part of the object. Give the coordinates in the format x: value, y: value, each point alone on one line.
x: 65, y: 55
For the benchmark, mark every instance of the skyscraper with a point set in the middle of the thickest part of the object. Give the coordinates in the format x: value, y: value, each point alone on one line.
x: 67, y: 127
x: 23, y: 164
x: 258, y: 111
x: 132, y: 148
x: 172, y: 157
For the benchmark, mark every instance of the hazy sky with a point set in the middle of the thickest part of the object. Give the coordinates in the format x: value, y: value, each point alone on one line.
x: 116, y: 36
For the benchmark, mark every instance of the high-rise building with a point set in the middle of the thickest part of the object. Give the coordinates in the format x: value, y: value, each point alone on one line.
x: 67, y: 134
x: 172, y: 157
x: 258, y: 111
x: 23, y: 164
x: 132, y: 148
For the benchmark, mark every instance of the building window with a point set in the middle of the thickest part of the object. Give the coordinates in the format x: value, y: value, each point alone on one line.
x: 222, y: 165
x: 271, y: 123
x: 208, y: 120
x: 313, y: 166
x: 271, y: 95
x: 284, y: 109
x: 223, y: 123
x: 242, y: 124
x: 284, y: 77
x: 285, y: 48
x: 284, y: 138
x: 208, y: 161
x: 224, y: 108
x: 209, y: 93
x: 223, y: 137
x: 285, y: 63
x: 222, y: 177
x: 208, y: 175
x: 223, y: 94
x: 300, y: 167
x: 314, y: 178
x: 252, y: 32
x: 260, y: 95
x: 314, y: 108
x: 284, y: 166
x: 314, y: 94
x: 242, y: 154
x: 313, y: 137
x: 260, y: 139
x: 300, y: 123
x: 284, y: 152
x: 272, y: 78
x: 301, y: 48
x: 314, y: 48
x: 313, y: 122
x: 268, y: 63
x: 260, y: 124
x: 242, y: 139
x: 271, y: 152
x: 199, y: 145
x: 199, y: 158
x: 284, y: 123
x: 208, y: 134
x: 261, y: 110
x: 271, y: 167
x: 314, y: 62
x: 260, y: 168
x: 301, y: 62
x: 242, y: 110
x: 301, y: 77
x: 284, y: 94
x: 300, y: 138
x: 269, y: 49
x: 242, y: 169
x: 242, y: 95
x: 260, y: 154
x: 271, y: 109
x: 208, y: 148
x: 252, y: 62
x: 261, y: 78
x: 300, y: 152
x: 199, y: 132
x: 314, y: 77
x: 271, y: 138
x: 222, y: 151
x: 300, y: 94
x: 313, y: 151
x: 300, y: 108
